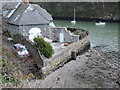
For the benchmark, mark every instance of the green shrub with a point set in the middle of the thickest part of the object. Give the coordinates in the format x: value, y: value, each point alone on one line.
x: 44, y: 47
x: 3, y: 62
x: 9, y: 79
x: 6, y: 77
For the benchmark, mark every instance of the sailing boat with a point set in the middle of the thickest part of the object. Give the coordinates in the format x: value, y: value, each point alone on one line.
x: 100, y: 22
x: 74, y: 21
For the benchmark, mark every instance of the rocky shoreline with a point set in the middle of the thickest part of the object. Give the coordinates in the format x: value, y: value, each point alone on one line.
x: 87, y: 19
x: 93, y: 69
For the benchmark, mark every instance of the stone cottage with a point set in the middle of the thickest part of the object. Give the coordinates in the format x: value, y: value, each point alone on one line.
x: 31, y: 20
x: 20, y: 17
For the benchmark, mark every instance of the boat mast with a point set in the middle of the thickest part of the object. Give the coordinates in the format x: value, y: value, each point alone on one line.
x: 74, y: 14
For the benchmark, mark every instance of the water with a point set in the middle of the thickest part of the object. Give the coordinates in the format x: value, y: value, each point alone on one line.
x: 99, y: 35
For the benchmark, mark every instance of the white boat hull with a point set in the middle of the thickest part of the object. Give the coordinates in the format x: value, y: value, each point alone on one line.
x: 100, y: 23
x: 73, y: 22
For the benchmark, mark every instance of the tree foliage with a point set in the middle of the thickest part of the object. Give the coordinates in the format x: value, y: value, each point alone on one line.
x: 103, y: 10
x: 44, y: 47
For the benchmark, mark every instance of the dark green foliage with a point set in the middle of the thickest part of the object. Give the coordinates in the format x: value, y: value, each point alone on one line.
x: 9, y: 79
x: 4, y: 62
x: 44, y: 47
x: 5, y: 76
x: 104, y: 10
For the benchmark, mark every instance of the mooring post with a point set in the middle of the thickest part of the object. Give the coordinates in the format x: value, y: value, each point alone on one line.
x: 73, y: 54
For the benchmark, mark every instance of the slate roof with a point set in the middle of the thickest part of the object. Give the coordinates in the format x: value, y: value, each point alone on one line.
x: 8, y: 7
x: 27, y: 14
x: 43, y: 12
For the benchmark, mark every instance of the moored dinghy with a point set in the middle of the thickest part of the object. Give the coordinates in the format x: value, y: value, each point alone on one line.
x: 100, y: 23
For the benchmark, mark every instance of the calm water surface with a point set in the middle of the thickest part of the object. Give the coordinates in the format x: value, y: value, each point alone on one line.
x: 99, y: 35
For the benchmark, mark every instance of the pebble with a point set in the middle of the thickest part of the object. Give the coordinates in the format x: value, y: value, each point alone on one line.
x: 87, y: 54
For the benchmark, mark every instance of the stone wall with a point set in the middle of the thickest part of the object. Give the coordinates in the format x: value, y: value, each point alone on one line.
x: 46, y: 31
x: 54, y: 34
x: 67, y: 54
x: 31, y: 48
x: 13, y: 29
x: 24, y: 29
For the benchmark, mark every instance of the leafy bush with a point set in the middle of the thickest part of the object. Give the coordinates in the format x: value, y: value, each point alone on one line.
x: 4, y: 62
x: 44, y: 47
x: 5, y: 76
x: 9, y: 79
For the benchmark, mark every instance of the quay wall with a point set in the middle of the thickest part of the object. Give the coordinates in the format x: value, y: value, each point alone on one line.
x: 67, y: 54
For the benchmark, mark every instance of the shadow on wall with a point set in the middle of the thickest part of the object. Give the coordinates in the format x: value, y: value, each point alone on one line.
x: 31, y: 48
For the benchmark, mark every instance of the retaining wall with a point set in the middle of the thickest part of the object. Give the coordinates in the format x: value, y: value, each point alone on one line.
x: 31, y: 48
x: 66, y: 54
x: 69, y: 53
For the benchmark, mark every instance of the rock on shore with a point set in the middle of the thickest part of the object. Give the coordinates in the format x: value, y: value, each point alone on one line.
x: 90, y: 70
